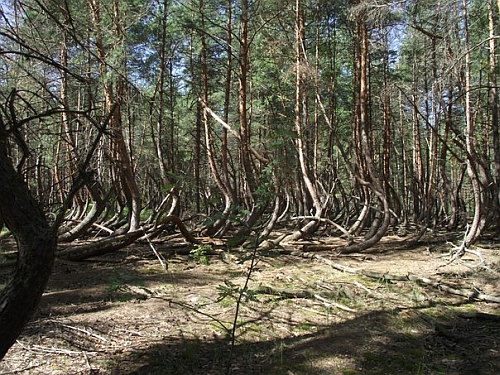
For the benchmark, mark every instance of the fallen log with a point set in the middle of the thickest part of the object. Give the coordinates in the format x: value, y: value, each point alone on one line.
x: 112, y: 243
x: 100, y: 247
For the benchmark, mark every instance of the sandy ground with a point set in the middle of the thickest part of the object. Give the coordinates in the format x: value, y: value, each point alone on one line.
x: 124, y: 314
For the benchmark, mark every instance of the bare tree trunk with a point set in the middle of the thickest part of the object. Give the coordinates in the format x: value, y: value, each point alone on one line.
x: 451, y: 197
x: 494, y: 103
x: 249, y: 183
x: 274, y: 218
x: 431, y: 214
x: 63, y: 144
x: 220, y: 179
x: 478, y: 220
x: 98, y: 206
x: 357, y: 226
x: 301, y: 109
x: 227, y: 98
x: 228, y: 191
x: 119, y: 153
x: 402, y: 171
x: 244, y: 64
x: 417, y: 171
x: 379, y: 226
x: 69, y: 144
x: 160, y: 90
x: 310, y: 192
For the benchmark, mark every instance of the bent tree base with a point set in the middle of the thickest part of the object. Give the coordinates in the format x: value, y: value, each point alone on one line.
x: 36, y: 242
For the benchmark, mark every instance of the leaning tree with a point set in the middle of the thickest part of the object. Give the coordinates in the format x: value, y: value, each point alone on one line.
x: 36, y: 242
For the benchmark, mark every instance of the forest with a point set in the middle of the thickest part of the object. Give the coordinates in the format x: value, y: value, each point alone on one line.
x: 249, y: 186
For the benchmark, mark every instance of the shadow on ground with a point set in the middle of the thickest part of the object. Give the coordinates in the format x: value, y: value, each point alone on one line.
x: 97, y: 316
x: 90, y: 285
x: 393, y: 342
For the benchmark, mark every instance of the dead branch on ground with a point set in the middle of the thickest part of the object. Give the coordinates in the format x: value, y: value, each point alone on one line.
x: 470, y: 294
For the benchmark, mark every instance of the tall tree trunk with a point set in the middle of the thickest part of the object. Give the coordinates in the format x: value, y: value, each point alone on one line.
x: 228, y: 190
x: 220, y: 179
x: 114, y: 95
x: 227, y: 98
x: 472, y: 163
x: 69, y: 144
x: 380, y: 225
x: 160, y: 102
x: 257, y: 205
x: 200, y: 110
x: 417, y: 171
x: 301, y: 109
x: 387, y: 134
x: 448, y: 190
x: 494, y: 103
x: 301, y: 114
x: 244, y: 64
x: 433, y: 119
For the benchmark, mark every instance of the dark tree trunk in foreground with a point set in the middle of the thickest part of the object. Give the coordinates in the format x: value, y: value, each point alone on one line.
x: 36, y: 242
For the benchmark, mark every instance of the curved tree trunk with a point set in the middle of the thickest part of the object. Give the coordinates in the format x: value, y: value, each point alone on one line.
x: 495, y: 108
x: 36, y: 242
x: 357, y: 226
x: 273, y: 219
x: 221, y: 176
x: 379, y: 226
x: 378, y: 231
x: 472, y: 162
x: 300, y: 123
x: 220, y: 225
x: 113, y: 98
x: 98, y: 206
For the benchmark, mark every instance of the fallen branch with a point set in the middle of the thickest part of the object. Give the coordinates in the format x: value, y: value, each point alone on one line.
x: 161, y: 259
x: 299, y: 293
x: 87, y: 332
x: 45, y: 349
x: 236, y: 135
x: 284, y: 292
x: 478, y: 315
x: 470, y: 294
x: 459, y: 251
x: 334, y: 304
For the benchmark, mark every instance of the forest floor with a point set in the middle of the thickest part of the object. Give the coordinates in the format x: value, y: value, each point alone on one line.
x: 124, y: 314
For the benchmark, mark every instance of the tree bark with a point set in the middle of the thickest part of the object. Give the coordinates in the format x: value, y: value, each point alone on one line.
x: 221, y: 179
x: 217, y: 228
x: 36, y: 242
x: 472, y: 163
x: 371, y: 177
x: 113, y: 98
x: 300, y: 123
x: 494, y: 103
x: 244, y: 63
